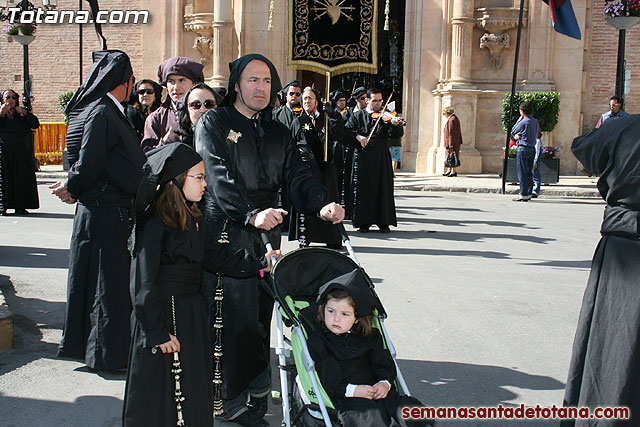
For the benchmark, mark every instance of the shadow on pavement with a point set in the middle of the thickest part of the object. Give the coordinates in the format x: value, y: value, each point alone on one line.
x: 562, y: 264
x: 450, y: 235
x: 434, y: 252
x: 86, y: 411
x: 463, y: 222
x: 30, y: 317
x: 24, y: 256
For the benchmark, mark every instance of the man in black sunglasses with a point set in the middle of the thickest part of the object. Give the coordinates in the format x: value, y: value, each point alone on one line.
x: 287, y: 113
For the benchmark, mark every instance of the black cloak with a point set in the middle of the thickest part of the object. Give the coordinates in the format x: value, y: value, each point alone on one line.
x: 166, y: 282
x: 247, y: 160
x: 605, y: 361
x: 106, y: 169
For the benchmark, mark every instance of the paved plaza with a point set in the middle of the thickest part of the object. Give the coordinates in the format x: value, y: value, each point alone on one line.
x: 482, y: 294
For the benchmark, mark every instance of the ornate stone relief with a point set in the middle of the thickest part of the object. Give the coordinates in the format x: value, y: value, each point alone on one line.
x: 202, y: 24
x: 496, y: 21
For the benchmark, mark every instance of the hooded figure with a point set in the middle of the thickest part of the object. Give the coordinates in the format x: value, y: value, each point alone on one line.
x: 106, y: 169
x: 166, y: 282
x: 160, y: 126
x: 138, y: 113
x: 248, y: 156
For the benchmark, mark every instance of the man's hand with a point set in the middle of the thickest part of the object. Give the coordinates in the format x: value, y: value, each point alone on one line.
x: 4, y: 109
x: 332, y: 212
x: 268, y: 218
x: 516, y: 137
x: 395, y: 121
x: 21, y: 110
x: 61, y: 191
x: 171, y: 346
x: 363, y: 140
x: 364, y: 392
x: 380, y: 390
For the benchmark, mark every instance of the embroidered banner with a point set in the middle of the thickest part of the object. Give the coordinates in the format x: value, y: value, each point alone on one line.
x: 338, y: 36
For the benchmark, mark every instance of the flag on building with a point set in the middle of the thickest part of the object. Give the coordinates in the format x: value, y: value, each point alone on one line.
x: 333, y: 36
x: 563, y: 18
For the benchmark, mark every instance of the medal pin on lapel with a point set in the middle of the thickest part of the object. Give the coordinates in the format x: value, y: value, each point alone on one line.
x: 234, y: 136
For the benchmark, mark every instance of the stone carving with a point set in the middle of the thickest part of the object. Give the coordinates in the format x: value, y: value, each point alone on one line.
x: 202, y: 24
x: 496, y: 21
x: 495, y: 43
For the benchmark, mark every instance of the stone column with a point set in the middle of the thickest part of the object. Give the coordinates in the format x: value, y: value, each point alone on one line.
x: 462, y: 24
x: 222, y: 42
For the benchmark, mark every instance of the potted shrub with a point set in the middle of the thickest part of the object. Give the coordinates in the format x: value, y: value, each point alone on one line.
x: 546, y: 107
x: 22, y: 33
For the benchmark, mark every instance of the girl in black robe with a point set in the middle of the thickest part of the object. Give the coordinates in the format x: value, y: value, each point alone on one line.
x: 171, y: 244
x: 605, y: 362
x: 19, y: 189
x: 353, y: 365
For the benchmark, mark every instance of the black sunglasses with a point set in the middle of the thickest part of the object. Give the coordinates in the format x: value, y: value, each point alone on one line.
x: 294, y: 93
x: 208, y: 104
x: 12, y: 97
x: 146, y: 91
x: 362, y: 98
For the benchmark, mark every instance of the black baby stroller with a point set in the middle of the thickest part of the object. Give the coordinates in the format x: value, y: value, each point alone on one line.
x: 296, y: 278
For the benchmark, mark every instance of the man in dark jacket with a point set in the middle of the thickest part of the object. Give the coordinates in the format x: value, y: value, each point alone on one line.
x: 248, y: 156
x: 103, y: 179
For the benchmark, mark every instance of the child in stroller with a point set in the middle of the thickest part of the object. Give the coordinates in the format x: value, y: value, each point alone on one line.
x: 352, y: 362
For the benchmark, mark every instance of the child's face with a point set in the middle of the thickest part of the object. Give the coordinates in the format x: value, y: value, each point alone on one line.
x: 339, y: 316
x: 195, y: 184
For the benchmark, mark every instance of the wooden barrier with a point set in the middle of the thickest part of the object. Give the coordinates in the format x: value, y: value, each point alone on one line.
x: 49, y: 142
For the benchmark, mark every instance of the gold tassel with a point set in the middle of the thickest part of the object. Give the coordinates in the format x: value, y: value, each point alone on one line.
x: 386, y: 15
x: 272, y: 7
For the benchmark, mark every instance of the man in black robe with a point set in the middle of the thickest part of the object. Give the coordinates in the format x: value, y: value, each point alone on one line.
x: 104, y: 176
x: 605, y: 361
x: 248, y: 156
x: 372, y: 176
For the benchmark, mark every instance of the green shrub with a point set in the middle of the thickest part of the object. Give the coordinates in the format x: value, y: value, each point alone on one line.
x: 64, y: 99
x: 546, y: 106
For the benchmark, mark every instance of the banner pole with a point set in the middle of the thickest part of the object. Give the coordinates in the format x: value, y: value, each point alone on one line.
x: 326, y: 119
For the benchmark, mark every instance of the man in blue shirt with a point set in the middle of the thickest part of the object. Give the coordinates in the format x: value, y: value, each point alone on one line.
x: 615, y: 111
x: 524, y: 132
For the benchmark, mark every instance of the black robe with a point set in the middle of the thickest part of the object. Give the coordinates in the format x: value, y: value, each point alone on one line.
x: 605, y: 361
x: 372, y: 175
x: 343, y: 162
x: 354, y: 359
x: 246, y: 162
x: 285, y: 115
x: 103, y: 180
x: 169, y: 263
x: 310, y: 141
x: 19, y: 188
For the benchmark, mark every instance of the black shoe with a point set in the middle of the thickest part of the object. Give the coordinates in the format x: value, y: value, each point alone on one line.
x: 384, y: 228
x: 534, y: 195
x: 453, y: 175
x: 446, y: 174
x: 258, y: 406
x: 22, y: 212
x: 364, y: 229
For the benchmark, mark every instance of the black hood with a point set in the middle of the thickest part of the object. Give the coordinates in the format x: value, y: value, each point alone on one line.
x: 163, y: 164
x: 111, y: 68
x: 133, y: 98
x: 237, y: 67
x: 356, y: 285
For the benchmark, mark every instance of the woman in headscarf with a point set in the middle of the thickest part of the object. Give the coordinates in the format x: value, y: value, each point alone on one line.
x: 18, y: 182
x: 144, y: 100
x: 452, y: 139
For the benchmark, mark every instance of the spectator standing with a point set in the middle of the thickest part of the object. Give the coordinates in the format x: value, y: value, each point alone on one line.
x: 537, y: 181
x: 18, y: 183
x: 615, y: 111
x: 145, y: 99
x: 452, y: 138
x: 198, y: 100
x: 524, y: 132
x: 177, y: 74
x: 103, y: 180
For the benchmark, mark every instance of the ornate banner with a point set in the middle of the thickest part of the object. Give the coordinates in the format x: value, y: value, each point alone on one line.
x: 336, y: 36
